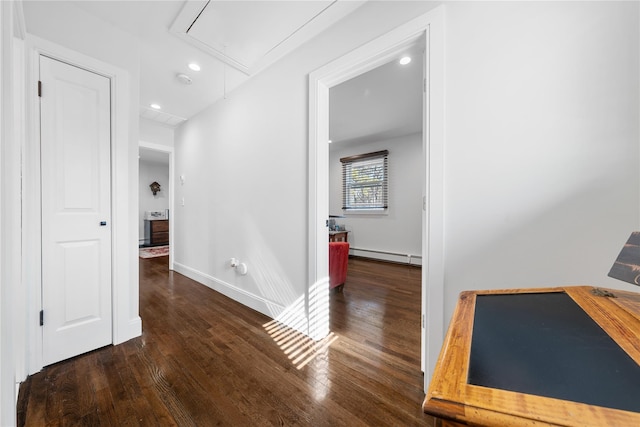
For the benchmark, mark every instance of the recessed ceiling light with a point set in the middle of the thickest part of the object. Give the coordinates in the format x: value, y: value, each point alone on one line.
x: 330, y: 141
x: 155, y: 106
x: 194, y: 66
x: 405, y: 60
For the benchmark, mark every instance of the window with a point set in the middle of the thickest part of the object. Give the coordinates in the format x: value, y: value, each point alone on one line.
x: 365, y: 181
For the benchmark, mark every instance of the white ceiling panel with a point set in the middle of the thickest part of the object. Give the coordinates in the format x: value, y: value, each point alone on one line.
x: 247, y: 31
x: 161, y: 117
x: 250, y: 35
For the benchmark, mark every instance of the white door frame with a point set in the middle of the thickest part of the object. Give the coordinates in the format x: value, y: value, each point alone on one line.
x: 126, y: 321
x: 10, y: 289
x: 429, y: 26
x: 169, y: 150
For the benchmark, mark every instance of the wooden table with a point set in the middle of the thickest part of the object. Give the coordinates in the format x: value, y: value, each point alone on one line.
x: 338, y: 236
x: 550, y: 356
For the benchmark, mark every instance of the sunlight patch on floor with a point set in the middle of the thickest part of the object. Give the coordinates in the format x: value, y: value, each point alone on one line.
x: 319, y: 309
x: 294, y: 316
x: 298, y: 347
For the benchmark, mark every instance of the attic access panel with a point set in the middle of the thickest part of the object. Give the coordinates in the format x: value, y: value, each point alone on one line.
x: 250, y: 35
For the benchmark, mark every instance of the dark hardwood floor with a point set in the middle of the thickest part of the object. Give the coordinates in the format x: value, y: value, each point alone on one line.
x: 206, y: 360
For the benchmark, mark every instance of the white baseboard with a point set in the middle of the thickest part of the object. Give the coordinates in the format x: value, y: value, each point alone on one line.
x: 382, y: 256
x: 134, y: 330
x: 255, y: 302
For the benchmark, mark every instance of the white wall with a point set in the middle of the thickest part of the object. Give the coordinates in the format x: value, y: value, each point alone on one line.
x: 12, y: 294
x: 7, y: 292
x: 245, y: 162
x: 156, y: 133
x: 541, y: 152
x: 150, y: 172
x: 399, y: 229
x: 541, y: 143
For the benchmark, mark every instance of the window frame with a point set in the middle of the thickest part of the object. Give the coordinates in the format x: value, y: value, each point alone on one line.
x: 347, y: 164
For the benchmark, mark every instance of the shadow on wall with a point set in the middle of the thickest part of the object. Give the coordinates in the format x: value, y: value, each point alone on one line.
x: 571, y: 242
x: 287, y: 304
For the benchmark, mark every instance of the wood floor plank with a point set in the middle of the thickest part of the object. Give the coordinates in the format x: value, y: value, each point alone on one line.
x: 204, y: 359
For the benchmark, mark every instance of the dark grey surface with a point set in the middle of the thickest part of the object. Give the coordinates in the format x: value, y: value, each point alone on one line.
x: 544, y: 344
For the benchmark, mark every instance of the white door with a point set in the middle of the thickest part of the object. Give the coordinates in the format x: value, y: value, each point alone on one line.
x: 76, y: 210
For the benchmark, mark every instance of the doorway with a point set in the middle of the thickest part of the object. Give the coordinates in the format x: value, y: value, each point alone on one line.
x: 156, y: 165
x: 379, y: 112
x: 430, y: 29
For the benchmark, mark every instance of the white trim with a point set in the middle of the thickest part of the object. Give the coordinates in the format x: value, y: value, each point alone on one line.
x: 430, y: 27
x: 269, y: 308
x: 365, y: 212
x: 433, y: 236
x: 395, y: 257
x: 31, y: 235
x: 126, y: 321
x: 19, y: 139
x: 4, y: 338
x: 19, y: 24
x: 169, y: 150
x: 7, y: 270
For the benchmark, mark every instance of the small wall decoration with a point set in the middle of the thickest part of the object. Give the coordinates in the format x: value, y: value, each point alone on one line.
x: 155, y: 187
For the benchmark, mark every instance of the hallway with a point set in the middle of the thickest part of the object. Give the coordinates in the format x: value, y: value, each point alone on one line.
x: 204, y: 359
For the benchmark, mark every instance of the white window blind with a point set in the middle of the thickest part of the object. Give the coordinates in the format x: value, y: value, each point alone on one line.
x: 365, y: 181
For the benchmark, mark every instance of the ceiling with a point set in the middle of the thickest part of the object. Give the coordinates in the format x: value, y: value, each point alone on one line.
x: 230, y: 40
x: 250, y: 35
x: 153, y: 156
x: 234, y: 40
x: 383, y: 103
x: 228, y: 28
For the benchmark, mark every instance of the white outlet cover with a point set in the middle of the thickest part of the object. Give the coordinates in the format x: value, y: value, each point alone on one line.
x: 242, y: 268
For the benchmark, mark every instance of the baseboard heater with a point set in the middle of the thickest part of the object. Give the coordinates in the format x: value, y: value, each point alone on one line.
x: 387, y: 256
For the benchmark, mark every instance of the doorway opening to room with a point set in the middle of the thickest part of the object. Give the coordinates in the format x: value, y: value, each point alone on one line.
x: 155, y: 201
x: 427, y: 31
x: 375, y: 160
x: 375, y: 206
